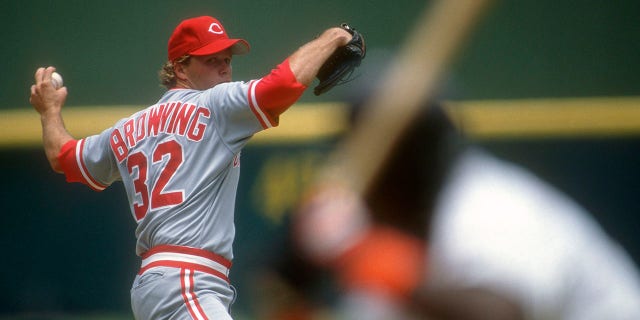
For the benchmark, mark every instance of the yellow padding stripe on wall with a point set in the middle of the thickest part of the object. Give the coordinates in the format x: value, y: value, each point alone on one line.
x: 488, y: 119
x: 568, y: 117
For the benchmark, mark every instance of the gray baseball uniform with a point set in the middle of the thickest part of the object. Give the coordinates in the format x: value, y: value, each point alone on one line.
x: 179, y: 161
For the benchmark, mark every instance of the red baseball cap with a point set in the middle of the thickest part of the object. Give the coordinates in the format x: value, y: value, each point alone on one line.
x: 202, y: 36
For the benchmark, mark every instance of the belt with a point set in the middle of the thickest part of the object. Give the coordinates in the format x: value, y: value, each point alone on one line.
x: 186, y: 257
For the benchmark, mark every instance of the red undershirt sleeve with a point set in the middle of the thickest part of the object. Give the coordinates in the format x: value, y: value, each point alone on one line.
x: 270, y: 96
x: 71, y: 163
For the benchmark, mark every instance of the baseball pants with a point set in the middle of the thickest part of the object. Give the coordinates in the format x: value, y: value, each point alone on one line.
x: 172, y: 285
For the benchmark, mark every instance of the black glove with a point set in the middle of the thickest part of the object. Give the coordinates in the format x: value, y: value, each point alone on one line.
x: 339, y: 66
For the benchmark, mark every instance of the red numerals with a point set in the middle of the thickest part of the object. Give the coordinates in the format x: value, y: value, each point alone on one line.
x: 137, y: 164
x: 160, y: 198
x: 139, y: 160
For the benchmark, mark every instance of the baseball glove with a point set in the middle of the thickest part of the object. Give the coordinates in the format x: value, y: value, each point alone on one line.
x: 340, y: 65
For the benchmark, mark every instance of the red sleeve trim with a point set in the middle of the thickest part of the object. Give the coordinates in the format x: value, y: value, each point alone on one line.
x: 272, y: 95
x: 72, y: 164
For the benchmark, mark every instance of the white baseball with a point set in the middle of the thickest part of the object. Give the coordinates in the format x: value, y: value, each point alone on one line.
x: 56, y: 80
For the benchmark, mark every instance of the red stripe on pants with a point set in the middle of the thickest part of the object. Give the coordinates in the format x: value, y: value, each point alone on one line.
x: 189, y: 296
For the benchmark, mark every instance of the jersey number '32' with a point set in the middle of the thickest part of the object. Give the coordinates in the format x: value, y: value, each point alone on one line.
x: 158, y: 197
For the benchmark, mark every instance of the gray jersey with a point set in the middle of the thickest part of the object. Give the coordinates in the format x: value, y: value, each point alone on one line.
x: 179, y: 161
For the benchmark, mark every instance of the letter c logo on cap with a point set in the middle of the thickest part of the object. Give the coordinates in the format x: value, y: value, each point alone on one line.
x: 215, y: 28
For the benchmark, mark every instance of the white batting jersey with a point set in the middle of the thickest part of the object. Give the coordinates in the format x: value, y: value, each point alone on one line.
x: 499, y: 227
x: 179, y: 161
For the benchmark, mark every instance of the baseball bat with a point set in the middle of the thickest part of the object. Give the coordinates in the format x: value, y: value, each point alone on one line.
x: 410, y: 80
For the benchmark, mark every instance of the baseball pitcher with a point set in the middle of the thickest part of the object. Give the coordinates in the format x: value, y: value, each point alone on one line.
x: 179, y: 159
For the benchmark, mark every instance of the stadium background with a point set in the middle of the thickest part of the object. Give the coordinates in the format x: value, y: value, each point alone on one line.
x: 554, y: 84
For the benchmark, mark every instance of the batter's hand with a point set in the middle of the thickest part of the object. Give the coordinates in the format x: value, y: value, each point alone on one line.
x: 328, y: 222
x: 45, y: 98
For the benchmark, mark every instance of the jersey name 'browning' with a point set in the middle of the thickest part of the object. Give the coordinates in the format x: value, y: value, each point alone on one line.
x: 172, y: 118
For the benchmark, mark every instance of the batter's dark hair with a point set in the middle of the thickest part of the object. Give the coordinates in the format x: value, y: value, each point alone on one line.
x: 404, y: 193
x: 167, y: 74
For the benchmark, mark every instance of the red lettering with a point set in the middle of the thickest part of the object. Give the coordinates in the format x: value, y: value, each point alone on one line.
x: 117, y: 146
x: 182, y: 118
x: 197, y: 128
x: 174, y: 116
x: 166, y: 115
x: 154, y: 120
x: 128, y: 133
x: 140, y: 127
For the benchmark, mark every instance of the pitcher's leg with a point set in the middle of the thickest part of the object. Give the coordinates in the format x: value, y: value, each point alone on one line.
x: 180, y: 293
x: 206, y: 296
x: 156, y: 294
